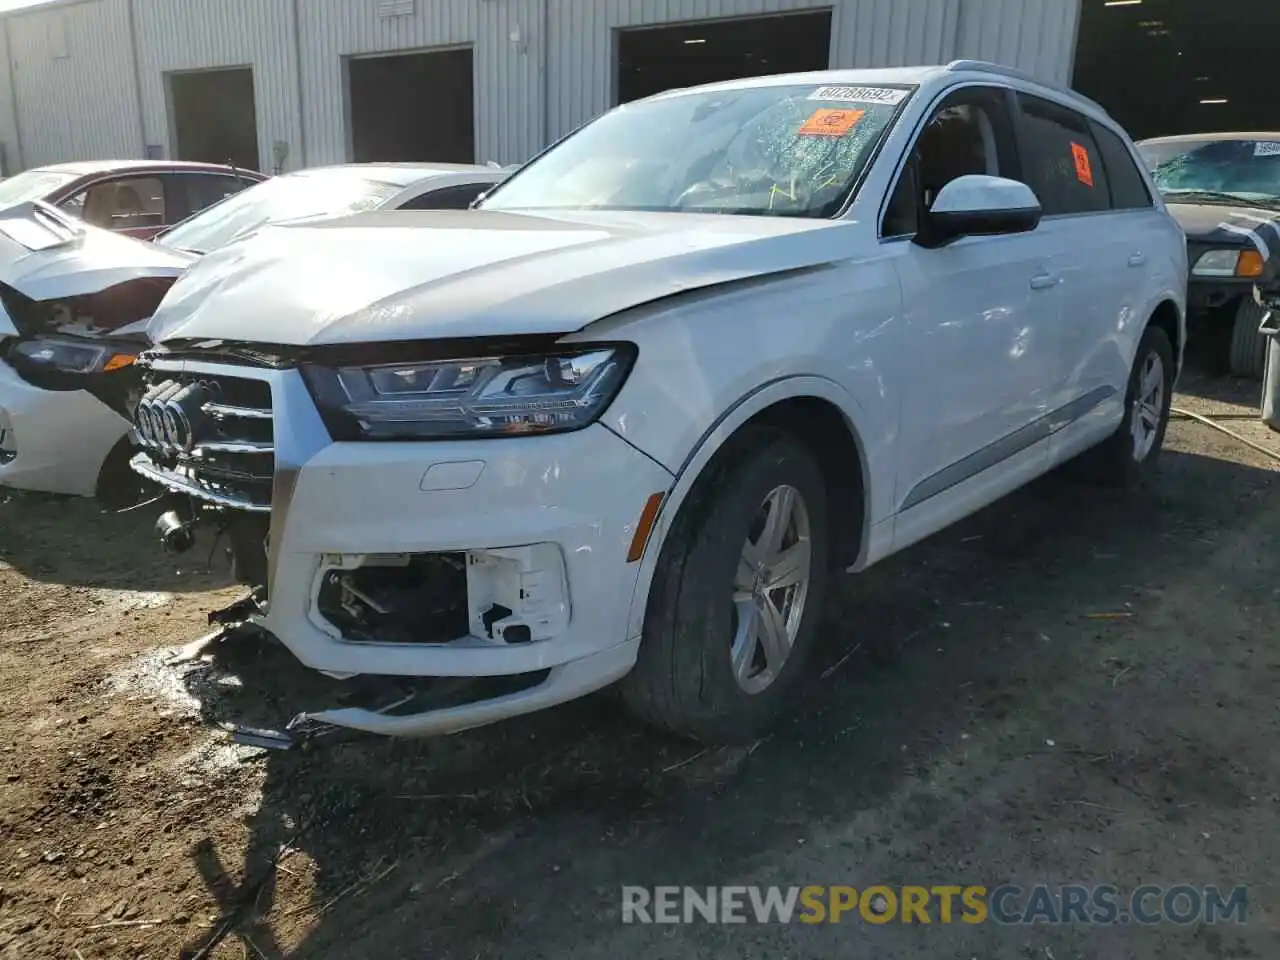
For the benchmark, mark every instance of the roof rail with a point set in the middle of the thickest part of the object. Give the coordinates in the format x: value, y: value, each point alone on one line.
x: 986, y: 66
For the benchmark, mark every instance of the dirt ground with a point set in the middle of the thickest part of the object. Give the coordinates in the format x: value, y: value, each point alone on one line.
x: 972, y: 721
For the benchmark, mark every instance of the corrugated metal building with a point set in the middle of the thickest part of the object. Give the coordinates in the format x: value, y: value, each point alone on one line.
x: 114, y: 78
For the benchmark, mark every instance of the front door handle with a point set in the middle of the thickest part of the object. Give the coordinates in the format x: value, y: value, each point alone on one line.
x: 1044, y: 281
x: 1137, y: 259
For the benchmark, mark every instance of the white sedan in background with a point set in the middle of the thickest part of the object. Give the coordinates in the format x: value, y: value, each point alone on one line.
x: 74, y: 301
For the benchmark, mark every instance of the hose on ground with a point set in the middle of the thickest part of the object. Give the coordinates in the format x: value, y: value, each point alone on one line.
x: 1199, y: 418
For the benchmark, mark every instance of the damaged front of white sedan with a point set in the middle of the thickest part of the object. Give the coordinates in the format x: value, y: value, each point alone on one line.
x: 74, y: 304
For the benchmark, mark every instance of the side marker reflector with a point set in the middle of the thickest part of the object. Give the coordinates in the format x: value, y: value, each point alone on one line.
x: 644, y: 527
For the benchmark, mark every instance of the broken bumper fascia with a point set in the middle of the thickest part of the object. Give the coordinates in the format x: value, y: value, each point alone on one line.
x: 563, y: 683
x: 53, y: 441
x: 578, y: 496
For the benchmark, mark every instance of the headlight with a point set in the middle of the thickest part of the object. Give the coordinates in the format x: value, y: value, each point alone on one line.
x: 69, y: 356
x: 1229, y: 263
x: 483, y: 397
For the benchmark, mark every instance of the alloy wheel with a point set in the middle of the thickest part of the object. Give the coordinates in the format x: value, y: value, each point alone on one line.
x: 770, y: 588
x: 1148, y: 406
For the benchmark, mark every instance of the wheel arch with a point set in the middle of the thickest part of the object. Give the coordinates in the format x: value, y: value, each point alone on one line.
x: 1167, y: 316
x: 823, y: 416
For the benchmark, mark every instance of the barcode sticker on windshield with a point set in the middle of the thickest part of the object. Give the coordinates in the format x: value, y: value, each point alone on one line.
x: 1267, y: 148
x: 885, y: 95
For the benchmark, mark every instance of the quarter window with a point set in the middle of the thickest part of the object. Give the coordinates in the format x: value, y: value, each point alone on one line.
x: 1128, y: 188
x: 1062, y: 161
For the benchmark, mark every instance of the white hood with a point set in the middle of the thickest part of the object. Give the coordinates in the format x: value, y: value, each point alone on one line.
x: 435, y: 274
x: 48, y: 255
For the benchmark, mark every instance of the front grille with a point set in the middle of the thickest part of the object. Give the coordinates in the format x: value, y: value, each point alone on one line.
x: 223, y: 452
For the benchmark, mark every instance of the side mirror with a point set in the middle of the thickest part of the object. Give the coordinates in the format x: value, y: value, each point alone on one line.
x: 979, y: 206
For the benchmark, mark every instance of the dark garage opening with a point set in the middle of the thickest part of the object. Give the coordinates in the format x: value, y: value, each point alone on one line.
x: 1164, y: 67
x: 416, y: 106
x: 653, y: 59
x: 215, y: 118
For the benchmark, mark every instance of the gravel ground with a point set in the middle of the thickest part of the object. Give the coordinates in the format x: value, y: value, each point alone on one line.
x: 973, y: 721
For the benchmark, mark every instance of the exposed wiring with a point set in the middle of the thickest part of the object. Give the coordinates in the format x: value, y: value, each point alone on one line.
x: 1229, y: 432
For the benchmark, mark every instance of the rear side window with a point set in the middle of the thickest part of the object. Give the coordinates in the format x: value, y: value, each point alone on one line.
x: 1128, y: 188
x: 1061, y: 159
x: 129, y: 203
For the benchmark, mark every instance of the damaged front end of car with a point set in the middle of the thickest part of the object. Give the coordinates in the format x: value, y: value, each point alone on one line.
x: 224, y: 464
x: 74, y: 307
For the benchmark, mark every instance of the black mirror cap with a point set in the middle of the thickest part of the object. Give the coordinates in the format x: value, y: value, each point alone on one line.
x: 941, y: 229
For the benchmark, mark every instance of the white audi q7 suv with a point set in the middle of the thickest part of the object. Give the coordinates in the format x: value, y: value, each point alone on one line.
x: 620, y: 422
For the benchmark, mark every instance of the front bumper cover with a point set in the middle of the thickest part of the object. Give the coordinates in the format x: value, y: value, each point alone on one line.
x: 508, y: 505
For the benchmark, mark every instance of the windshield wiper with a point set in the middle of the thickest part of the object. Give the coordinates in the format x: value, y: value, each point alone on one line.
x: 1216, y: 196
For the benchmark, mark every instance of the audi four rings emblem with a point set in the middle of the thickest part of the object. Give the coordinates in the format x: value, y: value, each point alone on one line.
x: 170, y: 414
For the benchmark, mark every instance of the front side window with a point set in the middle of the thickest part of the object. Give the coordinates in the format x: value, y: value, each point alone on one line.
x: 1061, y: 159
x: 766, y: 151
x: 206, y: 189
x: 969, y: 133
x: 1216, y: 170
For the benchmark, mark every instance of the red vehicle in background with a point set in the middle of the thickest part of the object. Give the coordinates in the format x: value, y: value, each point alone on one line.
x: 135, y: 197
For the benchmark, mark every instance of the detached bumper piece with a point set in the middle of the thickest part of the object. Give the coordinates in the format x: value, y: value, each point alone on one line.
x: 387, y: 703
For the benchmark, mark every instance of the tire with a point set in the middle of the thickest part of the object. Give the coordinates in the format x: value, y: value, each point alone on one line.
x: 685, y: 678
x: 118, y: 487
x: 1248, y: 356
x: 1120, y: 460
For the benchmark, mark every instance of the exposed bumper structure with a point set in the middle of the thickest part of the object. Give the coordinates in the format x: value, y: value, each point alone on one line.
x: 460, y: 559
x: 53, y: 441
x: 562, y: 684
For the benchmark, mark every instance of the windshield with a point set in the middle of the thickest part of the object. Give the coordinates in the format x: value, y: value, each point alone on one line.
x: 31, y: 185
x: 289, y: 197
x: 771, y: 150
x: 1244, y: 169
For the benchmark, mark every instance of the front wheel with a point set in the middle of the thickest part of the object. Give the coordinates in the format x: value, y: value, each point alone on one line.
x: 737, y: 595
x: 1127, y: 457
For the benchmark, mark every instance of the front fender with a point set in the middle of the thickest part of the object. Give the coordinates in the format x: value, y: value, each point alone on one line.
x: 711, y: 442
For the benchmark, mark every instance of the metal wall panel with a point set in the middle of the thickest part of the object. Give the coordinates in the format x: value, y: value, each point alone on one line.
x: 78, y: 95
x: 10, y: 146
x: 1034, y: 35
x: 178, y: 35
x: 505, y: 36
x: 74, y: 82
x: 1037, y: 35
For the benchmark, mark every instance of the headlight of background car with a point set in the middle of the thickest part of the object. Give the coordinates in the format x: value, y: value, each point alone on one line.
x: 1229, y: 263
x: 490, y: 396
x: 68, y: 356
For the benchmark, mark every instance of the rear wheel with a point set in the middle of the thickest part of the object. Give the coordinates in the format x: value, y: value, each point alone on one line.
x: 1248, y: 357
x: 1127, y: 457
x: 737, y: 594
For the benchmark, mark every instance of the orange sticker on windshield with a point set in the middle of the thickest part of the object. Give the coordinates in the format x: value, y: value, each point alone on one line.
x: 1084, y: 170
x: 831, y: 122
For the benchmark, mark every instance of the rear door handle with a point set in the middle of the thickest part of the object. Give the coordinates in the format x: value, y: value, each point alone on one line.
x: 1137, y: 259
x: 1044, y: 281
